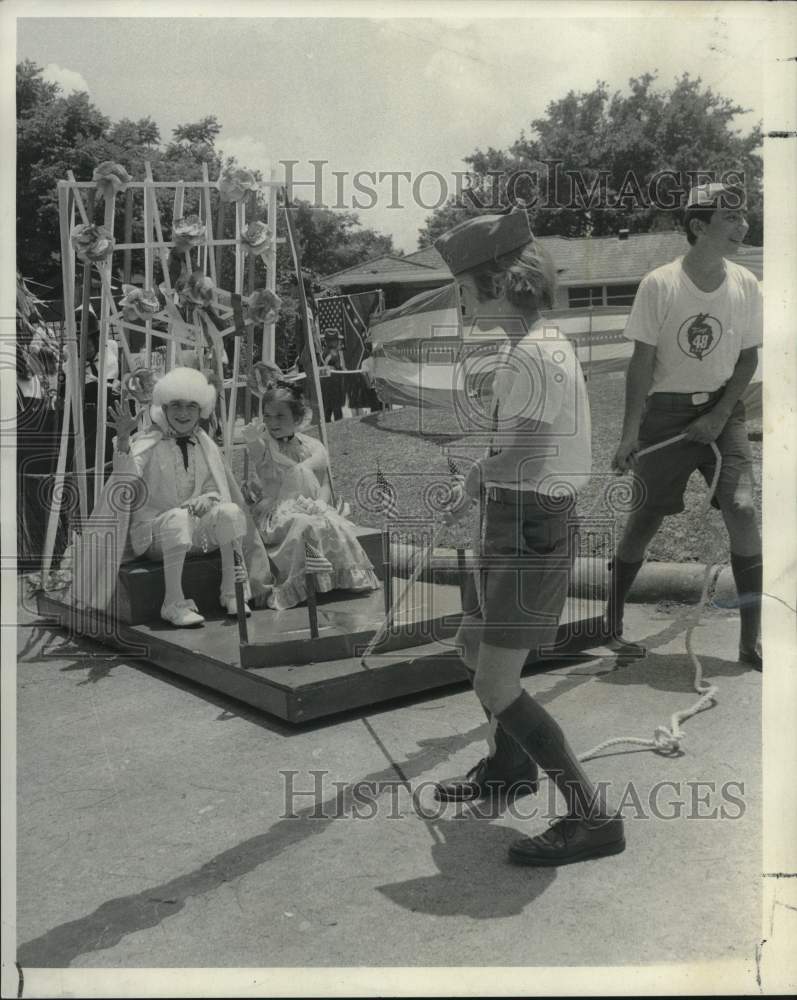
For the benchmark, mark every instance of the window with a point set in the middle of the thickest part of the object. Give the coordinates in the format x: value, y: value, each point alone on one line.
x: 582, y: 296
x: 585, y: 295
x: 621, y: 295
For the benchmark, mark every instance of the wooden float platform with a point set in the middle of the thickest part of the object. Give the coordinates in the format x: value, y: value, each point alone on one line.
x: 288, y: 674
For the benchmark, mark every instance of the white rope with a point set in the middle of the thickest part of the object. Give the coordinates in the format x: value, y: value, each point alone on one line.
x: 668, y: 741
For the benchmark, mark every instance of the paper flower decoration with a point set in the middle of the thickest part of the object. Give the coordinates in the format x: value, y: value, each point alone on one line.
x: 139, y: 384
x: 140, y: 303
x: 196, y: 290
x: 256, y: 238
x: 110, y: 178
x: 262, y: 376
x: 263, y: 306
x: 92, y: 243
x: 234, y: 183
x: 188, y: 232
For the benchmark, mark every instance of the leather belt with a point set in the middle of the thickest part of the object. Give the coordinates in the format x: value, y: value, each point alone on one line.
x: 694, y: 398
x: 502, y: 494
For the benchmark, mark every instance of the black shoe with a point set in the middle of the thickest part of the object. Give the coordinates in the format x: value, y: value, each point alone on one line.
x: 568, y: 840
x: 613, y: 639
x: 483, y: 781
x: 752, y: 656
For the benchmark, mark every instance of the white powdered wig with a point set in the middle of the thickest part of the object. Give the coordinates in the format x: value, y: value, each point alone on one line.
x: 182, y: 383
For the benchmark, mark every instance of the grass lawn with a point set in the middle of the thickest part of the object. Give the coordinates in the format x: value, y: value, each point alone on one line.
x: 410, y: 447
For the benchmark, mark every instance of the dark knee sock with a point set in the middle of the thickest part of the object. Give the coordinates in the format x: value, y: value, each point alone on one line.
x: 509, y: 755
x: 622, y: 577
x: 541, y: 737
x: 748, y: 576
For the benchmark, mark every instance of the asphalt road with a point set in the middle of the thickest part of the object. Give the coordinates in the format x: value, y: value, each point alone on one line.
x: 156, y: 824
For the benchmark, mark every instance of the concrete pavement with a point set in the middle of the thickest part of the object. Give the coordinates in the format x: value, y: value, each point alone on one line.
x: 154, y: 827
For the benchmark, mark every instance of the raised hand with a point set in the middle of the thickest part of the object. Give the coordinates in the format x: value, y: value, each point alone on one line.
x: 122, y: 421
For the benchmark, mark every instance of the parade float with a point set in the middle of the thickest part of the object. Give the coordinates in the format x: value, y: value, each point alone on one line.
x: 341, y: 650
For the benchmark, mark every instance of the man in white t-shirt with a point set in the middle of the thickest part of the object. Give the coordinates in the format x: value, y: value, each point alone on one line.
x: 696, y: 325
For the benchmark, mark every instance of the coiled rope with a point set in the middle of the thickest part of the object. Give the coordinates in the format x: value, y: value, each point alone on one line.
x: 665, y: 740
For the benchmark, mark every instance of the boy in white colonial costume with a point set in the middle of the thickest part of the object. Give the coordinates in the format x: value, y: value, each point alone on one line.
x: 185, y: 499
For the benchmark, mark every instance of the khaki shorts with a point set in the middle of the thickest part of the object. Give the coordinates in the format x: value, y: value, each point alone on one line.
x: 524, y: 570
x: 661, y: 477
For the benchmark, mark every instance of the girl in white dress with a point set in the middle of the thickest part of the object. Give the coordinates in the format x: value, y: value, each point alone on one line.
x: 293, y: 507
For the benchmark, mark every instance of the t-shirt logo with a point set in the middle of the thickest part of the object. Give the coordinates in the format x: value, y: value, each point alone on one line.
x: 699, y: 335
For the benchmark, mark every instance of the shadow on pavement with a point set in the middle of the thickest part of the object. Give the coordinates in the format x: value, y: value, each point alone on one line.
x: 116, y: 918
x: 474, y: 879
x: 671, y: 671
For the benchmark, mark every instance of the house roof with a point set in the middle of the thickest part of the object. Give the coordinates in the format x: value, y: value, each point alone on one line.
x: 580, y: 261
x: 391, y: 270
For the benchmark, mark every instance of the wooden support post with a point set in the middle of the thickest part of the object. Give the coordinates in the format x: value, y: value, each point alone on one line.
x: 312, y: 605
x: 127, y: 265
x: 149, y: 276
x: 314, y: 381
x: 221, y: 219
x: 243, y: 334
x: 105, y: 267
x: 268, y: 349
x: 65, y: 207
x: 80, y: 356
x: 387, y: 563
x: 461, y: 571
x: 240, y: 602
x: 240, y: 221
x: 210, y: 256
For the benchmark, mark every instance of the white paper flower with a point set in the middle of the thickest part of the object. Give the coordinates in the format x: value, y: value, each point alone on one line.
x: 235, y: 182
x: 187, y: 232
x: 140, y: 303
x: 92, y: 243
x: 263, y: 306
x: 110, y: 178
x: 256, y: 238
x: 197, y: 289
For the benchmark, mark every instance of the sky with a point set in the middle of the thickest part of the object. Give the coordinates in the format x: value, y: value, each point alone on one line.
x: 387, y: 94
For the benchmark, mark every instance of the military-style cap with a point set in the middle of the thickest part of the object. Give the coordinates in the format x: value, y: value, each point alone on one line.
x: 715, y: 196
x: 476, y: 241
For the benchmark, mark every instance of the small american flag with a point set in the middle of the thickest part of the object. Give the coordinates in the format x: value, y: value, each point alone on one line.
x: 387, y: 495
x: 453, y: 468
x: 314, y: 562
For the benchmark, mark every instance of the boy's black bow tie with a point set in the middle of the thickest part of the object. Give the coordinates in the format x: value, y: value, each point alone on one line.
x: 182, y: 444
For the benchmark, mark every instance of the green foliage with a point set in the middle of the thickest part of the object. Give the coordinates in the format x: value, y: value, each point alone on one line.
x: 56, y: 134
x: 622, y: 142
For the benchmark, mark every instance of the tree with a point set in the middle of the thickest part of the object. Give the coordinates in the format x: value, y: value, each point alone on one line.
x: 597, y: 162
x: 204, y: 132
x: 56, y: 134
x: 333, y: 240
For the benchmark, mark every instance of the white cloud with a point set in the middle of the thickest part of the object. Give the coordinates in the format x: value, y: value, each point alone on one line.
x: 248, y: 151
x: 69, y: 80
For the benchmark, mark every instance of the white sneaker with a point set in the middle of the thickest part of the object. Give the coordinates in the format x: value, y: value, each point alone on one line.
x: 230, y: 605
x: 182, y: 614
